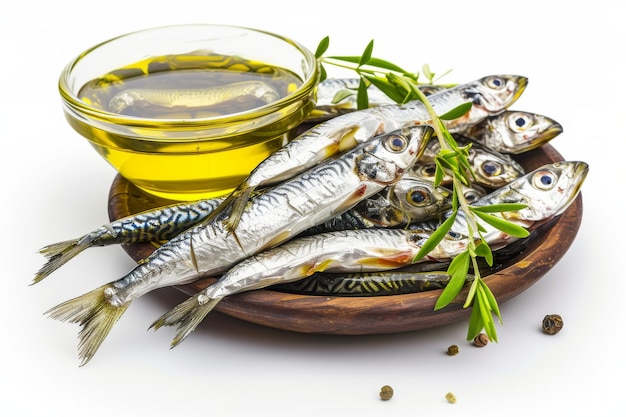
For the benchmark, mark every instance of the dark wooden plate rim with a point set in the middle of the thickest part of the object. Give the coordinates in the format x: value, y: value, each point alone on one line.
x: 371, y: 315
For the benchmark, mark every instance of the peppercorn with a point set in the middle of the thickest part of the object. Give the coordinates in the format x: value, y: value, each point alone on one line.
x: 451, y: 398
x: 552, y: 324
x: 453, y: 350
x: 481, y: 340
x: 386, y: 392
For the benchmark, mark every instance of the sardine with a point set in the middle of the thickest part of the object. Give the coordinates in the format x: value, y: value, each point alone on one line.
x: 489, y: 95
x: 513, y: 132
x: 491, y: 168
x: 384, y: 209
x: 547, y: 192
x: 160, y: 224
x: 368, y: 284
x: 193, y: 98
x: 408, y: 200
x: 270, y: 218
x: 337, y: 96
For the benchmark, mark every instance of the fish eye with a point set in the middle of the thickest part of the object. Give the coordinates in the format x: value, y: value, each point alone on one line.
x: 418, y: 196
x: 396, y: 143
x: 544, y: 179
x: 497, y: 83
x: 520, y: 122
x: 428, y: 170
x: 491, y: 168
x: 471, y: 196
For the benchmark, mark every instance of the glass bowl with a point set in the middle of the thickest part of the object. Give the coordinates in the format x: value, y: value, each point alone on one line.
x: 186, y: 112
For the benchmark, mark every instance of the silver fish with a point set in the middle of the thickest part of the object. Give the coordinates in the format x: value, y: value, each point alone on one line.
x: 492, y: 169
x: 408, y: 200
x: 513, y: 131
x: 194, y: 98
x: 368, y: 284
x: 489, y: 95
x: 547, y: 192
x: 336, y: 96
x: 160, y: 224
x: 384, y: 209
x: 270, y: 218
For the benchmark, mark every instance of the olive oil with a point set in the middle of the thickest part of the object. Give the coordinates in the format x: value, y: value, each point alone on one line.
x: 223, y: 99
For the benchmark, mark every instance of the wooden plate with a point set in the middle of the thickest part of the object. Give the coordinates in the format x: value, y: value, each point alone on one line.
x: 372, y: 315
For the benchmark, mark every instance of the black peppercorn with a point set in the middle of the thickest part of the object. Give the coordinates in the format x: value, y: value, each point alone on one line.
x: 552, y: 324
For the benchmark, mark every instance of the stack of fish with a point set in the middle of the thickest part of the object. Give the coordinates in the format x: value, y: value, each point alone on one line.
x: 348, y: 195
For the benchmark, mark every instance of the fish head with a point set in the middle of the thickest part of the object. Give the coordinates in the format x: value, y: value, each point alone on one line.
x: 419, y: 199
x: 547, y: 191
x: 494, y: 93
x: 492, y: 169
x: 377, y: 210
x: 516, y: 132
x: 387, y: 157
x: 526, y: 131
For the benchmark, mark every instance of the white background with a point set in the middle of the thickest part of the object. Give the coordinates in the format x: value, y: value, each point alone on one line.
x: 55, y: 187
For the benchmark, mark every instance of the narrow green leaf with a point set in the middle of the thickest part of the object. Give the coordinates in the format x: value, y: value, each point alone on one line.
x: 373, y: 62
x: 475, y: 322
x: 458, y: 272
x: 501, y: 224
x: 471, y: 293
x: 493, y: 303
x: 362, y: 100
x: 322, y: 47
x: 436, y: 237
x: 367, y: 53
x: 342, y: 95
x: 386, y: 87
x: 351, y: 58
x: 457, y: 112
x: 439, y: 173
x: 486, y: 313
x: 446, y: 163
x: 499, y: 208
x: 427, y: 73
x: 323, y: 74
x: 485, y: 251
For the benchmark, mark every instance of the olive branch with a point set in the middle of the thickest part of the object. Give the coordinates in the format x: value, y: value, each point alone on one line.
x: 452, y: 160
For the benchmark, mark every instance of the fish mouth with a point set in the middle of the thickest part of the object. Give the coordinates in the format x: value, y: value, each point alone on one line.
x: 578, y: 175
x: 520, y: 82
x: 543, y: 137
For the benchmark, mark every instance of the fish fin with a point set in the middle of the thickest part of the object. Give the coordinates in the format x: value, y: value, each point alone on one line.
x: 392, y: 260
x: 317, y: 267
x: 96, y: 316
x: 57, y: 254
x: 352, y: 200
x: 239, y: 200
x: 277, y: 240
x: 186, y: 316
x: 348, y: 140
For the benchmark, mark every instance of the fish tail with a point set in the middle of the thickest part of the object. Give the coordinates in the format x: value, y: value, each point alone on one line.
x: 95, y: 314
x: 57, y: 254
x: 239, y: 200
x: 186, y: 316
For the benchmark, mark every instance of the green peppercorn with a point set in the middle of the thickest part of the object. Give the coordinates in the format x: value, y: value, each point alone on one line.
x: 453, y: 350
x: 552, y: 324
x: 451, y: 398
x: 386, y: 392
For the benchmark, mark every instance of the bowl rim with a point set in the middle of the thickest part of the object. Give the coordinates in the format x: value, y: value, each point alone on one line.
x: 73, y: 104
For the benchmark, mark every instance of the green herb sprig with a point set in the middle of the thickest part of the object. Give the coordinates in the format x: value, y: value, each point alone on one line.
x: 452, y: 160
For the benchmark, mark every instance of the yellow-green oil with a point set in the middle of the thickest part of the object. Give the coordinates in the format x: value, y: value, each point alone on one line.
x: 165, y: 161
